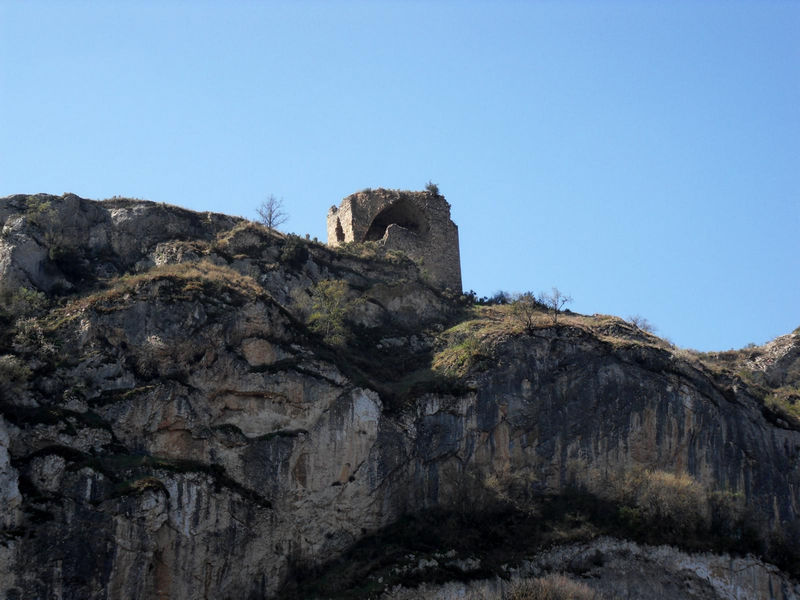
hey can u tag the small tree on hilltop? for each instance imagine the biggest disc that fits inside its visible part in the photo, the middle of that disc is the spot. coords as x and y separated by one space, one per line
523 308
432 188
641 323
271 213
555 302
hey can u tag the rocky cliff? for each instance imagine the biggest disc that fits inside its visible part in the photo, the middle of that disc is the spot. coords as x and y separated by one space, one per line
172 426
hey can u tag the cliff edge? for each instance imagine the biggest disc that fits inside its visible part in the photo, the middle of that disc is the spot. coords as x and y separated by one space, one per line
173 424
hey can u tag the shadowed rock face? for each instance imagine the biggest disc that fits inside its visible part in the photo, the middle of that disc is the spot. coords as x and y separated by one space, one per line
188 437
608 408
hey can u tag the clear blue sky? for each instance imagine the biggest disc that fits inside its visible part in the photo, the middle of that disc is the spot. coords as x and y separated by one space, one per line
644 157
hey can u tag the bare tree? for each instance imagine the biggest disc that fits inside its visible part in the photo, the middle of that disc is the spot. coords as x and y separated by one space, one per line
641 323
271 213
554 301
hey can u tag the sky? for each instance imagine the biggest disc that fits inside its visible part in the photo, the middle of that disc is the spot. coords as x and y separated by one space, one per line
643 157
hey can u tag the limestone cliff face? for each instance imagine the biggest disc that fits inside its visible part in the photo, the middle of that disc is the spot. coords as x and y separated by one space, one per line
564 396
182 434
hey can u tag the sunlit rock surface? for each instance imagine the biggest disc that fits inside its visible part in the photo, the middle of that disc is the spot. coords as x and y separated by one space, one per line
183 434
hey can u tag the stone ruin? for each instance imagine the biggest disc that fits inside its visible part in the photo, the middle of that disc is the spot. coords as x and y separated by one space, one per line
416 223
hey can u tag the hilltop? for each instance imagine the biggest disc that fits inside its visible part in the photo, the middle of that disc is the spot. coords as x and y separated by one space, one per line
193 405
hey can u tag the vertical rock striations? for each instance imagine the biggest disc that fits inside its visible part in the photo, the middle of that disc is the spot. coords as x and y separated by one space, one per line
180 433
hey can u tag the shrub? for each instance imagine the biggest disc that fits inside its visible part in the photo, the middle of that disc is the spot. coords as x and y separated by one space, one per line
44 215
329 309
23 302
785 401
731 521
662 502
465 349
432 188
13 373
524 308
783 549
31 337
550 587
368 249
40 212
458 359
500 298
294 252
515 489
174 282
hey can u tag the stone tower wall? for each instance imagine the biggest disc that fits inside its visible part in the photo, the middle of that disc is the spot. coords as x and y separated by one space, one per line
417 223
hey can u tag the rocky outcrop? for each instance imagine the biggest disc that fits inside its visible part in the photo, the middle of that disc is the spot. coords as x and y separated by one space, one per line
623 569
187 436
778 360
627 570
54 243
574 405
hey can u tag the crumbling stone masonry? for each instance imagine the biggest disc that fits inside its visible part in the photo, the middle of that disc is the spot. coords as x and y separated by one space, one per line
417 223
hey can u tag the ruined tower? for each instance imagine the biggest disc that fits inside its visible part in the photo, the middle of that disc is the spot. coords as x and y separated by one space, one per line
417 223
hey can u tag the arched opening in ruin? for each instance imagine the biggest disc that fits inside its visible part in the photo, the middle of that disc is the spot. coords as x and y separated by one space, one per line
401 213
339 231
